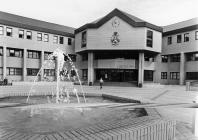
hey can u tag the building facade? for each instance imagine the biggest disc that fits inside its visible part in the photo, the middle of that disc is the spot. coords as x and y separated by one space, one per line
117 47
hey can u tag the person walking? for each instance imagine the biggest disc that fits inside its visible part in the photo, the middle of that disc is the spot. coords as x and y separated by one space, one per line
101 82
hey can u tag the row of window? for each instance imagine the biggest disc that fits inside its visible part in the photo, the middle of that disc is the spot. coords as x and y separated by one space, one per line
173 75
173 58
179 38
40 36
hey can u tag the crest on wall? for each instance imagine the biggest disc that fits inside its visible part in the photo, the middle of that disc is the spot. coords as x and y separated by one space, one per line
115 39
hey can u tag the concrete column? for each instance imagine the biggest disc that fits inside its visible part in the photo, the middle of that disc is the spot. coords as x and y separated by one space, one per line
141 69
42 62
90 68
182 69
4 62
24 64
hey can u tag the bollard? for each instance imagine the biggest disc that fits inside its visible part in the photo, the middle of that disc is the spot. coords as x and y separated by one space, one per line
187 86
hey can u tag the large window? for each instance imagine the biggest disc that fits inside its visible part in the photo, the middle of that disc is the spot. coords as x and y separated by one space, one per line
175 58
186 37
39 36
46 38
174 75
1 51
169 40
84 74
192 56
21 33
29 35
149 39
163 75
14 52
148 75
9 31
84 39
69 41
164 58
196 35
32 72
61 40
192 75
1 30
46 55
179 38
33 54
49 72
14 71
55 40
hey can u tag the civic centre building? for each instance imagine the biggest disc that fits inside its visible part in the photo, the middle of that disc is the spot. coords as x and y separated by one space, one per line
118 47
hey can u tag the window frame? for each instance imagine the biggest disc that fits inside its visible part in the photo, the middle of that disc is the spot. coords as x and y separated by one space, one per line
32 72
61 40
33 54
186 37
55 39
69 42
169 40
1 51
39 36
14 71
15 52
21 30
11 32
149 38
1 30
84 39
29 36
164 58
49 72
46 37
196 35
179 41
174 75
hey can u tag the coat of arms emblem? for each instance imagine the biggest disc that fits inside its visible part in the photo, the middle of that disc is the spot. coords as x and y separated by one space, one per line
115 39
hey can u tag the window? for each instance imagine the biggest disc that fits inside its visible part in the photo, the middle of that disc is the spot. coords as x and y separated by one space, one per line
149 40
1 71
69 41
49 72
1 30
46 37
174 75
21 33
179 38
196 35
148 75
84 39
186 37
175 58
9 31
39 36
85 57
84 74
46 55
148 58
14 52
163 75
192 56
33 54
32 72
1 51
191 75
55 40
61 40
169 40
164 58
14 71
29 35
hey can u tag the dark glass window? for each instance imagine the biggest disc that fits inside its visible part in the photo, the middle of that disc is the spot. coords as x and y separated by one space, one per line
14 52
39 36
69 41
1 30
9 31
163 75
192 75
186 37
148 75
84 39
175 58
85 57
196 35
49 72
164 58
84 74
21 33
169 40
179 38
61 40
174 75
192 56
33 54
14 71
32 72
29 35
149 40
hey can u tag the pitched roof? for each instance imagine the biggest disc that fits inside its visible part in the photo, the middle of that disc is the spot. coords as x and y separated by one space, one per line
33 24
130 19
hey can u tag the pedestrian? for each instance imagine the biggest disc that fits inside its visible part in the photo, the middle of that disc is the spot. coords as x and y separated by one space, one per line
101 83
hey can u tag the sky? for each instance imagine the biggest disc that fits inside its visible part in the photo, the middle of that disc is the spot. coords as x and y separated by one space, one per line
75 13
